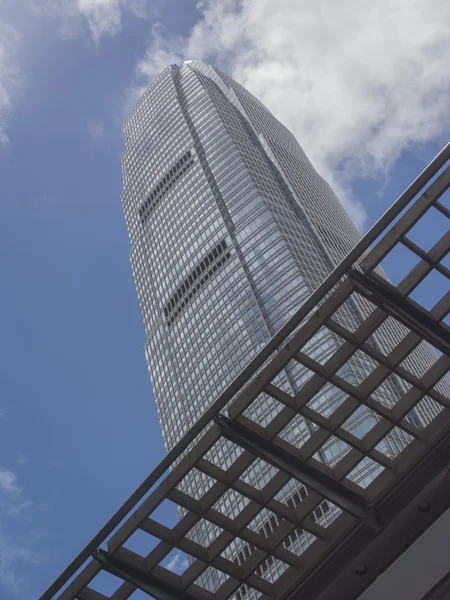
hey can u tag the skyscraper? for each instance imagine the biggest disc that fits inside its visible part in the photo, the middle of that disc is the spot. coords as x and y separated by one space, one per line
231 230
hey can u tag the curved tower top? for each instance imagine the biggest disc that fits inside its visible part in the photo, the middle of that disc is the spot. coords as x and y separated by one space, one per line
231 229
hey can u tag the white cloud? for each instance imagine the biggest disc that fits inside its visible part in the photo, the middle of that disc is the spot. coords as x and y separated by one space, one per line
177 564
10 78
16 509
96 131
356 82
22 459
12 501
8 482
17 535
163 51
14 556
102 17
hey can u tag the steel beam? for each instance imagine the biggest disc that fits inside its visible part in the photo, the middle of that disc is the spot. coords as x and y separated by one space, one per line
423 497
263 355
407 221
440 591
336 492
147 583
421 570
398 307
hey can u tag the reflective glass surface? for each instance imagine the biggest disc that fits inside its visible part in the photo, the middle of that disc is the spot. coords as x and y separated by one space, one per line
231 229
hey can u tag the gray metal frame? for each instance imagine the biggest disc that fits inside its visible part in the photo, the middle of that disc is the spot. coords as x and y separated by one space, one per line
422 572
375 524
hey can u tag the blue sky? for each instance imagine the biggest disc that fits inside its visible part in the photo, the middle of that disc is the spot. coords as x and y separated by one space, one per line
367 96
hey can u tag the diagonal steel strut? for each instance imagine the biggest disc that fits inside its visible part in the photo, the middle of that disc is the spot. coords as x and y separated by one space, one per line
394 304
284 461
144 581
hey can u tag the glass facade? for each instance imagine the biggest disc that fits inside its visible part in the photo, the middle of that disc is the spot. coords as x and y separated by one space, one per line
231 229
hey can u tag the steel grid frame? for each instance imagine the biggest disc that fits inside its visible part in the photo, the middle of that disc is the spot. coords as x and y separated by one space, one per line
372 525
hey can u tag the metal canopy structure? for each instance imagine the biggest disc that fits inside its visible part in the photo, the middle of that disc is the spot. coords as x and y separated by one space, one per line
372 526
